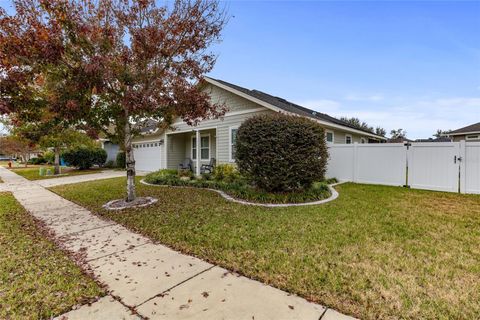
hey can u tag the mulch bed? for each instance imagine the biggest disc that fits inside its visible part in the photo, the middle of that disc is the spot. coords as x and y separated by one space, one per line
120 204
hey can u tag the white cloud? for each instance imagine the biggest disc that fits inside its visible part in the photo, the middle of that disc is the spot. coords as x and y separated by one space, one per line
420 117
371 98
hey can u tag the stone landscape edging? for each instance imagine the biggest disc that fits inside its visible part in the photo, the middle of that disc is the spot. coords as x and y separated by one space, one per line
334 195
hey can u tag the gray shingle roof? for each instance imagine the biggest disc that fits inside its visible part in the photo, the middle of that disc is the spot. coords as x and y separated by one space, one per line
289 106
471 128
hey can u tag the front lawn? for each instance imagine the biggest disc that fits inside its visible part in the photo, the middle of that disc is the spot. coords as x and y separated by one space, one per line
34 173
375 252
37 280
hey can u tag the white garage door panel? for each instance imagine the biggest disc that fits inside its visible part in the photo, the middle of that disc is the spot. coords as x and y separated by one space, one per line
147 156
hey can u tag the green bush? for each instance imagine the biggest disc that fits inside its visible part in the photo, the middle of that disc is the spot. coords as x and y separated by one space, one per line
49 157
109 164
99 156
121 161
83 157
226 172
281 153
241 189
37 160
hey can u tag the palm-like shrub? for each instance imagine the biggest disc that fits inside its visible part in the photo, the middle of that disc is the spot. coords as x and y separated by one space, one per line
281 153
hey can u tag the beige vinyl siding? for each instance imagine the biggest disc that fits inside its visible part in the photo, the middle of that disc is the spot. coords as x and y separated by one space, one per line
232 101
175 150
464 137
242 109
339 136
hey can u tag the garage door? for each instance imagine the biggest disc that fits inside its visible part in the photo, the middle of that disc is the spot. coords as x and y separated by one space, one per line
147 156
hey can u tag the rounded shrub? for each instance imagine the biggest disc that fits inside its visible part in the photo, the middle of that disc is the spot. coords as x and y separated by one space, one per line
121 160
83 157
281 153
99 156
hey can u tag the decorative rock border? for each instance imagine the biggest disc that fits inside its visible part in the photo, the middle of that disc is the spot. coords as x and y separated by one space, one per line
109 204
334 195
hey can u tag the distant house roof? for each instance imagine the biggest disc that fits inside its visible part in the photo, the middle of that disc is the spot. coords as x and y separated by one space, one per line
473 128
439 139
399 140
149 126
291 107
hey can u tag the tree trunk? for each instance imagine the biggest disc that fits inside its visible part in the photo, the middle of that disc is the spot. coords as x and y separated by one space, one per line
57 161
130 163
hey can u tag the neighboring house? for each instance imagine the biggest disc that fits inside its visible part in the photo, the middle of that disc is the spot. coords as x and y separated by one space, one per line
111 148
468 133
215 138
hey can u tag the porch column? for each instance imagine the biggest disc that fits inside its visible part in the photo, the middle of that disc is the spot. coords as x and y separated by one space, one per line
197 137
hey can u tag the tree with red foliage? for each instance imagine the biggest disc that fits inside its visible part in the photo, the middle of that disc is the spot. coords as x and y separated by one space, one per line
110 62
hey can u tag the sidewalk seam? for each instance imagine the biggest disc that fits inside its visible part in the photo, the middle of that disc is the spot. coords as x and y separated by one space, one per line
178 284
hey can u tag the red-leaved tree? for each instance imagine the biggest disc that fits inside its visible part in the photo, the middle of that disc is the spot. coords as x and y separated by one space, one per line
111 62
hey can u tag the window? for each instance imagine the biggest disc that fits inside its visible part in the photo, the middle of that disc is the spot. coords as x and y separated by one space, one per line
348 139
363 140
204 148
233 142
476 137
329 136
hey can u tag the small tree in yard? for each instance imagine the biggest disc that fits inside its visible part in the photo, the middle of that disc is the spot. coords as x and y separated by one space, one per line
121 61
17 145
61 140
280 152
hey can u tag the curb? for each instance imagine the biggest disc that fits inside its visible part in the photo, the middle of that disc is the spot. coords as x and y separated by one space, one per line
334 195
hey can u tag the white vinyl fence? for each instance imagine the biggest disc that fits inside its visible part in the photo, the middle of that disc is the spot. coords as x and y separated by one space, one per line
442 166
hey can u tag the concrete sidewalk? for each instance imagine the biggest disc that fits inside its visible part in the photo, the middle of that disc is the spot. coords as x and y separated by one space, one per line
107 174
151 279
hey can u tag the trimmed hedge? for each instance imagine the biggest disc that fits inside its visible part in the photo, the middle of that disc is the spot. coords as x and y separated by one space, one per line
121 161
37 160
84 157
281 153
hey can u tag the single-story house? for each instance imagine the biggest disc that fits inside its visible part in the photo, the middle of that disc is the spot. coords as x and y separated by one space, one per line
468 133
157 149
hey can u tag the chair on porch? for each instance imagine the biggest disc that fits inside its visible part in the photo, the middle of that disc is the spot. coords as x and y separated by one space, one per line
208 168
186 165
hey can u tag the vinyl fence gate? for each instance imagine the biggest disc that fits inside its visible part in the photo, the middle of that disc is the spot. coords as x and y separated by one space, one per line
441 166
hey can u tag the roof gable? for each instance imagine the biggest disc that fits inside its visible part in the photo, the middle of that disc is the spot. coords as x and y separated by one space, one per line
280 104
468 129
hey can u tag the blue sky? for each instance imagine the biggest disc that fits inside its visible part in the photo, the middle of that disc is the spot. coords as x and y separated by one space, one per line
410 65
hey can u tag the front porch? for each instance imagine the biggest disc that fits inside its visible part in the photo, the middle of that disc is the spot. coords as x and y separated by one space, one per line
183 145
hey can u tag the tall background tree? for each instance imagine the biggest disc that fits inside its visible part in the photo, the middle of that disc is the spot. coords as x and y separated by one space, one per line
110 62
440 133
398 133
362 125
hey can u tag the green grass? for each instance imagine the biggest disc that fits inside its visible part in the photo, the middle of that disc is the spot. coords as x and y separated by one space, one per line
34 173
37 280
375 252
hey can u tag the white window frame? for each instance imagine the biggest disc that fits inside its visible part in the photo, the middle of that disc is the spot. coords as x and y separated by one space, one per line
348 136
333 136
472 137
194 138
230 149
